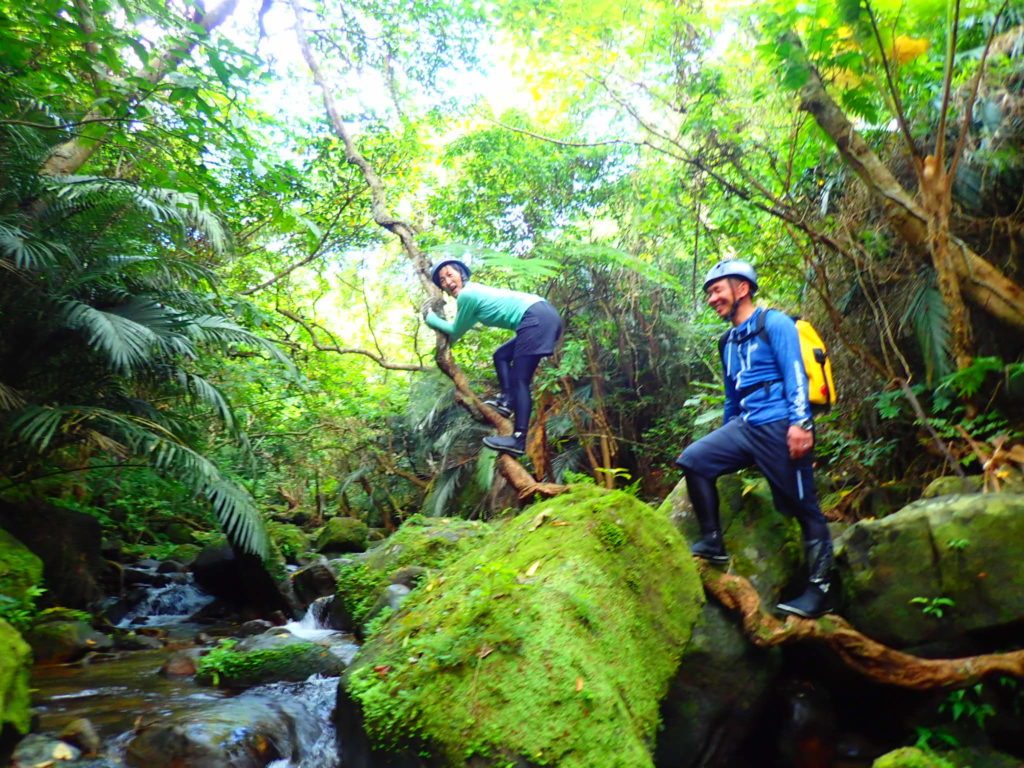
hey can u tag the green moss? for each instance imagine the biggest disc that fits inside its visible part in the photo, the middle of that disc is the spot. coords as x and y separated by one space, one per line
553 643
290 540
15 663
911 757
225 666
21 576
421 541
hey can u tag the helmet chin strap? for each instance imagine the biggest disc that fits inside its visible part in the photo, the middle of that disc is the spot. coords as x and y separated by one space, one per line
735 305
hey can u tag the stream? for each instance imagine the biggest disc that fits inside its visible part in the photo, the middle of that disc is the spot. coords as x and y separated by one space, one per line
119 692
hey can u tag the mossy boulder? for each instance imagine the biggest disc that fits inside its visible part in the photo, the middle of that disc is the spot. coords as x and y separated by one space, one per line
969 757
289 540
20 570
421 545
278 658
58 639
953 485
343 534
935 570
717 694
15 663
551 642
764 544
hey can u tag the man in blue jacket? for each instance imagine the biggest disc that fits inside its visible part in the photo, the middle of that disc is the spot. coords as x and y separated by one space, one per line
767 423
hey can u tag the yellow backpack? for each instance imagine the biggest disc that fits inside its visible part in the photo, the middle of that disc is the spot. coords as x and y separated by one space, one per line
821 388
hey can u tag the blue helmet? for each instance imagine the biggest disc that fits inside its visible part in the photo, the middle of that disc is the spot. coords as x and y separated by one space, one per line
732 268
435 270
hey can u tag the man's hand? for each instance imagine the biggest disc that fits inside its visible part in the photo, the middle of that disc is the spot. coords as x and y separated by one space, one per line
800 441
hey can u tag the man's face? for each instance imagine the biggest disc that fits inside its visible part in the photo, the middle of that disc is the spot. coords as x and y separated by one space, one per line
721 296
451 279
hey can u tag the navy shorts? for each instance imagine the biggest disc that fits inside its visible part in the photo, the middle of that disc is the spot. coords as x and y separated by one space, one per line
538 331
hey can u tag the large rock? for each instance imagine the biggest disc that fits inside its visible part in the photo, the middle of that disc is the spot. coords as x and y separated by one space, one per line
723 679
958 556
68 543
343 534
20 570
421 545
15 663
58 640
248 731
240 580
313 581
550 642
266 659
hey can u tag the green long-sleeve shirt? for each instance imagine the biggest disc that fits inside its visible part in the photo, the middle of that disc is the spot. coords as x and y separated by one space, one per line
497 307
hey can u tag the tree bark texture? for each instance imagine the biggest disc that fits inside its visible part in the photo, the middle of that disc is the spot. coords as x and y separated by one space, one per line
860 653
509 467
982 282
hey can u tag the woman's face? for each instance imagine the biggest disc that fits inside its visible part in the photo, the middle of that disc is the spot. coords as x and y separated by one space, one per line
451 279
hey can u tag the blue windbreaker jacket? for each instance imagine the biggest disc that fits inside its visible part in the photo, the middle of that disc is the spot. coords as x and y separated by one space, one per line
750 360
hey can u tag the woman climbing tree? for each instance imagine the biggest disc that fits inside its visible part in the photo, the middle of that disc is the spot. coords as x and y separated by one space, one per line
537 326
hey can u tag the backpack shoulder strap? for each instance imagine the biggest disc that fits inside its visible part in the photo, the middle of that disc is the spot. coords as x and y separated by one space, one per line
722 341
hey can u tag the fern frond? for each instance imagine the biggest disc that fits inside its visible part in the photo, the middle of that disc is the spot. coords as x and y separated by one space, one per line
926 313
124 342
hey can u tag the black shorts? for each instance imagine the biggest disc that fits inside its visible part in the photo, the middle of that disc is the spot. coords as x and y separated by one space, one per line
538 331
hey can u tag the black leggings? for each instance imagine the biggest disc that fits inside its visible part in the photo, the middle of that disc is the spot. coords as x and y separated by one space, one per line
514 377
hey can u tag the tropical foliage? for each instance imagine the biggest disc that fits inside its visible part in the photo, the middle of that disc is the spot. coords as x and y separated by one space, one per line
209 276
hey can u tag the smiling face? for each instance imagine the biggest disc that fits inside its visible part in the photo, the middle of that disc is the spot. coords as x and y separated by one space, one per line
450 278
723 295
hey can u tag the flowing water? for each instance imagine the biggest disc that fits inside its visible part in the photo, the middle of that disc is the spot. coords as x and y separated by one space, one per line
119 691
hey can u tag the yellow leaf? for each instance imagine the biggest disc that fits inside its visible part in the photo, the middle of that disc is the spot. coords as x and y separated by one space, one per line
906 49
538 521
579 684
532 569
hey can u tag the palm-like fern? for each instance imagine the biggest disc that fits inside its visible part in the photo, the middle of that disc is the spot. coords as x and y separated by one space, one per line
104 308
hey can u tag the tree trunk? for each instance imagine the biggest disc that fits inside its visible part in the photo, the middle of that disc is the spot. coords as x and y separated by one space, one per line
69 157
981 282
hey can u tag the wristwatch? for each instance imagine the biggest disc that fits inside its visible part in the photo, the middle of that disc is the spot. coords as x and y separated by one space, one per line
807 425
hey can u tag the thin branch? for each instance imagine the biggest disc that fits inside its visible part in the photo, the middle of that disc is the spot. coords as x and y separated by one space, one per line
314 254
969 106
901 118
947 83
562 143
377 358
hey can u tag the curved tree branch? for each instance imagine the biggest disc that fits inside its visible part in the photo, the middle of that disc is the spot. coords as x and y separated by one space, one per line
860 653
406 232
377 357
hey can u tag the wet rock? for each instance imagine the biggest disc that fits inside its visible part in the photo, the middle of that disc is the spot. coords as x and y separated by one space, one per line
15 665
131 577
67 542
240 581
62 640
181 663
953 485
343 534
289 540
38 751
81 733
254 627
409 576
136 641
914 757
958 556
244 732
313 581
267 658
170 566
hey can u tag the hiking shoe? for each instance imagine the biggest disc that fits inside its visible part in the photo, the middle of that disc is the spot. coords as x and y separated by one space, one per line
514 444
814 602
710 549
500 404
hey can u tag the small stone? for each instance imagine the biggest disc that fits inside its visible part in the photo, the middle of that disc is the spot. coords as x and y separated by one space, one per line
82 734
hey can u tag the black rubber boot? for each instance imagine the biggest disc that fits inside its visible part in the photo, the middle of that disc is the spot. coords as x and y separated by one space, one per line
815 600
704 497
500 404
710 547
514 444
